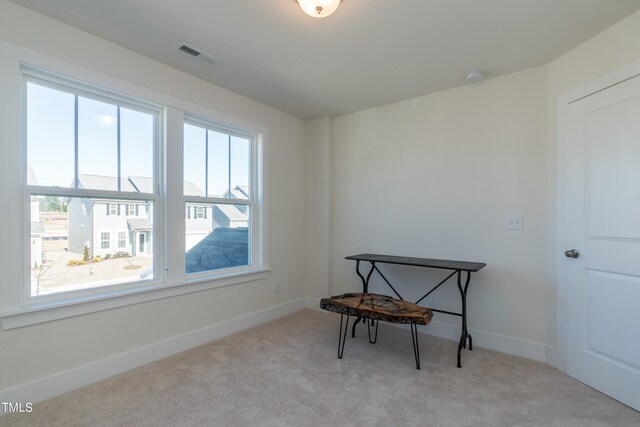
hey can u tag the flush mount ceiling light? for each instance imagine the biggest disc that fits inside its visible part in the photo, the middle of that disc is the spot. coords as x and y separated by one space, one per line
319 8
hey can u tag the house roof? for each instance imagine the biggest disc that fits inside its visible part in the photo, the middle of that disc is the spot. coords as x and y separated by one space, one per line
223 248
240 192
144 184
108 183
232 212
134 184
136 224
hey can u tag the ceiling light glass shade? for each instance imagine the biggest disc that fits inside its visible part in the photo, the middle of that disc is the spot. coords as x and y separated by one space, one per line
319 8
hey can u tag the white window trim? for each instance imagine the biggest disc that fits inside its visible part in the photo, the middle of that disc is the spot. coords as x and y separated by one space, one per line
112 198
14 312
47 312
257 256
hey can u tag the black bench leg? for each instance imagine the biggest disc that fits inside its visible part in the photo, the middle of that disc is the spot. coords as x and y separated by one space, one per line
371 323
414 340
353 329
342 336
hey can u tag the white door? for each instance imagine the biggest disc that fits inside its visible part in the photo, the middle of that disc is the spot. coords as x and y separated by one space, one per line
602 222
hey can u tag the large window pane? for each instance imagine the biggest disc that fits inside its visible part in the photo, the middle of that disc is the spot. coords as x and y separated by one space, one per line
195 160
218 164
50 136
136 146
97 145
240 164
218 238
82 243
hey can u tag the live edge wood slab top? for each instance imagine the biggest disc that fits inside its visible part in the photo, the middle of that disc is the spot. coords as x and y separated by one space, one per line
445 264
377 307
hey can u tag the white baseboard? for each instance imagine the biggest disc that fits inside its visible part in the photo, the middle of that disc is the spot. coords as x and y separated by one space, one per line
489 340
54 385
556 359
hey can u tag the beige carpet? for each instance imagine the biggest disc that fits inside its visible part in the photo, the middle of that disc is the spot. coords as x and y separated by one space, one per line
285 373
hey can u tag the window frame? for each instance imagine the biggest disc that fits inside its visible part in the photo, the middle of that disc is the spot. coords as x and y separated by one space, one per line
17 309
111 198
255 201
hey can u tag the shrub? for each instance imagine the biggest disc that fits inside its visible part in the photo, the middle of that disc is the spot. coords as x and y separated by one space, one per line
85 254
76 262
96 259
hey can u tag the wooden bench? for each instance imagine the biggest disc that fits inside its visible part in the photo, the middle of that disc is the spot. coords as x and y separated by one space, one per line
373 308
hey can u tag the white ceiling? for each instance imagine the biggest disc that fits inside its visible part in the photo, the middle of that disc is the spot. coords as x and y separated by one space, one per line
368 53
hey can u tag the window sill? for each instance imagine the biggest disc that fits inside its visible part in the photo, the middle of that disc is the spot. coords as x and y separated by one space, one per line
41 313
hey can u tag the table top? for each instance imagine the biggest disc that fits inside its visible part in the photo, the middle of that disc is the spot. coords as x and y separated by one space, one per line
445 264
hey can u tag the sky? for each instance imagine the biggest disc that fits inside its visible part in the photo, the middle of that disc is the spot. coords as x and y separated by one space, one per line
51 134
228 160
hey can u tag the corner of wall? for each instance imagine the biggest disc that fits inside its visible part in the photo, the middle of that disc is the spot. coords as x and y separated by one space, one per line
319 206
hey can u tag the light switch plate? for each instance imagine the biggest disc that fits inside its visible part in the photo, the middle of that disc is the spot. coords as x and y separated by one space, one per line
515 222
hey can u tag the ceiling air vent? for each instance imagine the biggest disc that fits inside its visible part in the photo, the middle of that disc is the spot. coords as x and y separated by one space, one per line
198 54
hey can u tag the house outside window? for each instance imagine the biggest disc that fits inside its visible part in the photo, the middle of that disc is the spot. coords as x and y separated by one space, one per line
113 208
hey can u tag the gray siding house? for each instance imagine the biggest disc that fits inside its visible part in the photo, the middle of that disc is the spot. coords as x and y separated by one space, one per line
113 227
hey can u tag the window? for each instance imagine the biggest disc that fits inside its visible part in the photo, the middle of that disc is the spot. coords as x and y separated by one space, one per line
122 239
105 240
218 172
98 201
200 212
85 149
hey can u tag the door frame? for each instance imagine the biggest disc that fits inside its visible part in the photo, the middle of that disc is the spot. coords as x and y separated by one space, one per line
558 357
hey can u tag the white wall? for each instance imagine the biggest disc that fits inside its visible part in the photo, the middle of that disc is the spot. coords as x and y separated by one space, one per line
435 176
34 352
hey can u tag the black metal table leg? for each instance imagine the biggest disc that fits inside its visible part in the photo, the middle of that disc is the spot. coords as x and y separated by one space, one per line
464 334
365 289
342 336
365 282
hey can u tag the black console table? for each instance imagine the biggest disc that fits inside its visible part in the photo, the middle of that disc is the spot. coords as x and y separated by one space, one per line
456 268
